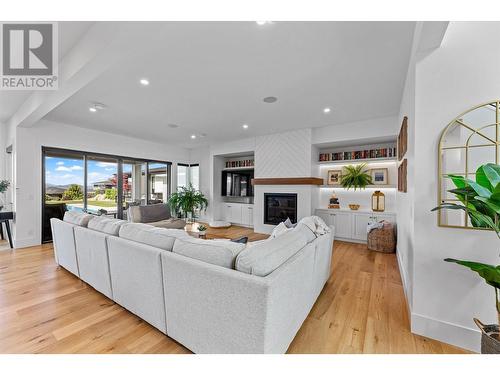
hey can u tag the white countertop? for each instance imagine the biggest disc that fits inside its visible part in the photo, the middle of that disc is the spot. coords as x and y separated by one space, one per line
362 211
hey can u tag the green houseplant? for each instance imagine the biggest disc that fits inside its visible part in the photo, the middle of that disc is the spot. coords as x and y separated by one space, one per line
355 176
186 200
480 199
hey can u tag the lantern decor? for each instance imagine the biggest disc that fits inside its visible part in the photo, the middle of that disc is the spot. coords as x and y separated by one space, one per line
378 201
334 202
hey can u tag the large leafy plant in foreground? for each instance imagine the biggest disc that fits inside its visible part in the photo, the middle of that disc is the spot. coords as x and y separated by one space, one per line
480 199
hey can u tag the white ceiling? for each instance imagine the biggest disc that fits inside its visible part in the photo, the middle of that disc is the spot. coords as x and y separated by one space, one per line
211 77
69 34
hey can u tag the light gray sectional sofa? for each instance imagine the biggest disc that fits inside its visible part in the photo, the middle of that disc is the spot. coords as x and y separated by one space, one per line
212 296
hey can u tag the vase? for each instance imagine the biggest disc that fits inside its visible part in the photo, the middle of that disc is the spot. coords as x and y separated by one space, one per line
189 218
490 337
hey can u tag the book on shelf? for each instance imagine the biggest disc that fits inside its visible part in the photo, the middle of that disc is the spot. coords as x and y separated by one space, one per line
239 163
386 152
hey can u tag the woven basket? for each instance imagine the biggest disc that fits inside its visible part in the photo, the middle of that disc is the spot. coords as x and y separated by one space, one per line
490 336
382 239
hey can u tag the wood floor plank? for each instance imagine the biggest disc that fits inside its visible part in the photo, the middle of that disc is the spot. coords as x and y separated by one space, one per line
46 309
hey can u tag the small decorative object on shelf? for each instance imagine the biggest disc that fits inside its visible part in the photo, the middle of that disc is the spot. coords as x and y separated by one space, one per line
334 177
354 207
386 152
378 201
380 176
240 163
334 202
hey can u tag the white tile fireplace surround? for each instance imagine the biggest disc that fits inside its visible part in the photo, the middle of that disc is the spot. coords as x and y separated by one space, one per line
304 202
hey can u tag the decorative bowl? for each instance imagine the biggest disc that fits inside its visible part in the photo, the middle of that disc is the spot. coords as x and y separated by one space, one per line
354 207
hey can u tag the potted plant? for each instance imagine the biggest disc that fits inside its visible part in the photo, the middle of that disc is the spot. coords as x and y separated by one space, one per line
202 230
187 200
4 185
480 199
356 177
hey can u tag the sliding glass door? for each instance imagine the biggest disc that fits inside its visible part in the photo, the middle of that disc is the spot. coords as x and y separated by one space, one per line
159 185
98 184
102 186
64 181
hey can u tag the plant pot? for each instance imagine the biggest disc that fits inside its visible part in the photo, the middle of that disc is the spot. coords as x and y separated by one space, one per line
490 337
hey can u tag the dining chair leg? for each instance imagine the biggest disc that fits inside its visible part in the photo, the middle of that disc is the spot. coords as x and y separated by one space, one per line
1 231
7 226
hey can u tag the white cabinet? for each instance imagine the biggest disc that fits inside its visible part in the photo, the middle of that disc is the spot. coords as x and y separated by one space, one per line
343 224
340 220
238 213
360 223
352 225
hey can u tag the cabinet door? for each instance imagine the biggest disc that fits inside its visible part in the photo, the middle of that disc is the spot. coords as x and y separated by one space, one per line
326 216
226 212
379 217
343 225
360 223
235 214
249 215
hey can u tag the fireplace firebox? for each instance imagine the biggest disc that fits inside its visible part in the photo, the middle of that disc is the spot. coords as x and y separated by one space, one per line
278 207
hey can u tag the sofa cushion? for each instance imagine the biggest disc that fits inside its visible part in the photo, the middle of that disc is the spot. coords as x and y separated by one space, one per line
78 218
105 225
264 257
149 213
157 237
306 231
219 252
169 223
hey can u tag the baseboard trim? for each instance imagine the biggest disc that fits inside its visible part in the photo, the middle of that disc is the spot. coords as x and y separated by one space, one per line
25 242
404 280
453 334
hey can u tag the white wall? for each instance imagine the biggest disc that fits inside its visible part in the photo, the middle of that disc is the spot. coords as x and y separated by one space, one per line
405 201
200 156
3 136
29 142
361 131
457 76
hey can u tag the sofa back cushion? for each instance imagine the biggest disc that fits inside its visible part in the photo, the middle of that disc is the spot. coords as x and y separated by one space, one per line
219 252
263 258
157 237
105 225
77 218
149 214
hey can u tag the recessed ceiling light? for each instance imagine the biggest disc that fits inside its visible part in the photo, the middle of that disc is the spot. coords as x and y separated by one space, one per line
262 23
193 136
144 82
173 126
326 110
270 99
94 107
245 126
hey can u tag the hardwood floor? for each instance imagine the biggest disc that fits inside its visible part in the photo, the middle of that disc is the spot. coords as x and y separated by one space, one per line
45 309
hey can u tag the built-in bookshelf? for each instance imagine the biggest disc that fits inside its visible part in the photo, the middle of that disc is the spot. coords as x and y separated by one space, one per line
239 163
358 154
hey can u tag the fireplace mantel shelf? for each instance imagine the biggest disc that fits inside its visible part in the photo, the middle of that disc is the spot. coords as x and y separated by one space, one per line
288 181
